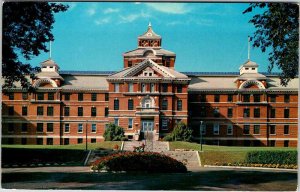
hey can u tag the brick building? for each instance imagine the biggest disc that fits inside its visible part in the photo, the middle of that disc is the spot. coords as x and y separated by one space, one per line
149 96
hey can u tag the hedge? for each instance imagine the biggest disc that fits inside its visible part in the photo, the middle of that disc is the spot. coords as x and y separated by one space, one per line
272 157
139 162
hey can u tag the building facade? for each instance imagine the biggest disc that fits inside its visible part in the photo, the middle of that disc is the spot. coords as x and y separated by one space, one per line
147 98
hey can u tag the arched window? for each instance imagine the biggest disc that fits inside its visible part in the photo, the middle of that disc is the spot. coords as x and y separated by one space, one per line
147 103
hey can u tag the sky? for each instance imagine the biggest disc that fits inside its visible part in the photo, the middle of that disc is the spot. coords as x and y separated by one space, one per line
206 37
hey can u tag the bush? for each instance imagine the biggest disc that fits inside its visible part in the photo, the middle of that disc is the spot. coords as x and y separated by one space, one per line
180 133
113 133
272 157
139 162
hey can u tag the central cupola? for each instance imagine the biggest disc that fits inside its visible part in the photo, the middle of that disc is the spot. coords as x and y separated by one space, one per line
149 38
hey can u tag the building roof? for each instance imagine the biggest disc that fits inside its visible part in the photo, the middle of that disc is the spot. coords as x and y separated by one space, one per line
49 62
249 63
149 34
48 74
85 82
140 52
252 76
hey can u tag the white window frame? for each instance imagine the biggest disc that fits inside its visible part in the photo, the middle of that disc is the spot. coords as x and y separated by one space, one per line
143 87
152 87
164 124
116 121
130 123
130 87
95 126
216 129
229 127
116 87
80 126
67 125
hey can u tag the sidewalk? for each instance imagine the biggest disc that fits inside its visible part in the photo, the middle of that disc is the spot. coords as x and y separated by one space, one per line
77 169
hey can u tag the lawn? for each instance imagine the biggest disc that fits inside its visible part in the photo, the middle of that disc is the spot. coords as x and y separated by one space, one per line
50 154
222 154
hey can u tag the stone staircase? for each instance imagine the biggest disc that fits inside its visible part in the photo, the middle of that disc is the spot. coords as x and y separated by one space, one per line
190 158
154 146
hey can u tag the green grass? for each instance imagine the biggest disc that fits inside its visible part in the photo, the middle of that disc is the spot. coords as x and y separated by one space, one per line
222 154
103 145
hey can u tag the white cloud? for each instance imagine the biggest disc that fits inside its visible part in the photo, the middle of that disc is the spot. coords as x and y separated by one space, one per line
110 10
102 21
171 8
132 17
91 11
193 21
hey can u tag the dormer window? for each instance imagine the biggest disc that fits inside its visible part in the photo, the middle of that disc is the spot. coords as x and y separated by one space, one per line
246 68
148 74
253 68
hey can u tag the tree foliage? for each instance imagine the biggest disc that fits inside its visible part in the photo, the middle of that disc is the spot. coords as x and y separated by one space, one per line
26 31
180 133
113 133
277 28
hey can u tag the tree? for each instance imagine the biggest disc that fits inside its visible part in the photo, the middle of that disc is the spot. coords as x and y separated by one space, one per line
277 28
26 31
180 133
113 133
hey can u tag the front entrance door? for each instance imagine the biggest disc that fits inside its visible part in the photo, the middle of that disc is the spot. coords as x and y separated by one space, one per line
147 129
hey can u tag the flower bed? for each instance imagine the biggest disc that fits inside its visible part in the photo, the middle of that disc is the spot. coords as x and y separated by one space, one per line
139 162
291 166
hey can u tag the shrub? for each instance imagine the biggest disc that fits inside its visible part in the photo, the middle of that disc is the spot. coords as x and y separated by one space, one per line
272 157
180 133
113 133
136 162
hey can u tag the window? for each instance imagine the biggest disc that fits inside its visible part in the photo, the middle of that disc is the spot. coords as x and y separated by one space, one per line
229 129
286 113
273 98
67 128
203 128
257 112
94 96
246 112
246 98
256 98
216 112
50 96
116 121
272 143
106 112
229 112
286 129
273 112
143 87
67 96
179 105
80 96
286 143
130 123
286 98
39 141
49 127
130 104
93 140
10 127
164 87
256 129
168 63
66 141
203 112
116 104
24 111
40 110
179 88
11 110
164 124
93 112
246 130
11 96
49 111
80 111
229 98
272 129
147 103
80 128
152 87
202 98
79 140
94 128
216 128
24 96
49 141
116 87
40 96
24 127
106 97
67 111
40 127
164 105
130 87
217 98
129 63
23 141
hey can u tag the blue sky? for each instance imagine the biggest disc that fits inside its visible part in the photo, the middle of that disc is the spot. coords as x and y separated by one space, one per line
209 37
